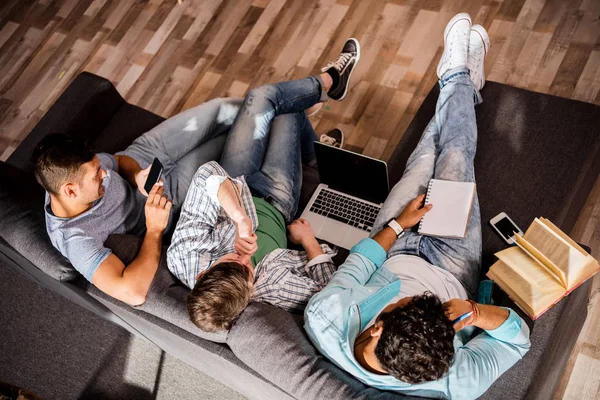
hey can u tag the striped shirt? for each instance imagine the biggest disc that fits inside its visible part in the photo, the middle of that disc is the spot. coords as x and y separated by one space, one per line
204 233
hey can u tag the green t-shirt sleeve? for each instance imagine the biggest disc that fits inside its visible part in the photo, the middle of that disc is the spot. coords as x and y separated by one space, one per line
271 231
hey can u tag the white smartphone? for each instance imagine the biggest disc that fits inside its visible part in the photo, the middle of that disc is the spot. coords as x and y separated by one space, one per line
505 227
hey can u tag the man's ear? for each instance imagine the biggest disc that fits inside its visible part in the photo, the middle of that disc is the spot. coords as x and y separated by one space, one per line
200 274
69 190
376 329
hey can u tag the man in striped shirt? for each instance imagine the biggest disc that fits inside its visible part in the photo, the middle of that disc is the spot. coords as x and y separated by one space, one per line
230 242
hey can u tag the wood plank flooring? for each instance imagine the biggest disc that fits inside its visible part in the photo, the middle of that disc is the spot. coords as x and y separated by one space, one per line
167 57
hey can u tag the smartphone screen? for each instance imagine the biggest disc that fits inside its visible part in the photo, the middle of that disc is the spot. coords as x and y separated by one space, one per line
506 228
154 175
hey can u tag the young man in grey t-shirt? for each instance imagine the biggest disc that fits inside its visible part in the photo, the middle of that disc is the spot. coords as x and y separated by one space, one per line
90 196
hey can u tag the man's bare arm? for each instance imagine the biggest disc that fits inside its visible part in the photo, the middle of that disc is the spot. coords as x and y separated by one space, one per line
128 168
130 284
229 198
487 317
300 232
131 171
230 201
410 216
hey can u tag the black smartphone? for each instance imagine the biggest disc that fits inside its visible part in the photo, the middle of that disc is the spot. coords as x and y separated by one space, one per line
154 175
505 227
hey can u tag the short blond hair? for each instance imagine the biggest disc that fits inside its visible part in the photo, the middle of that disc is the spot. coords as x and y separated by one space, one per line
219 296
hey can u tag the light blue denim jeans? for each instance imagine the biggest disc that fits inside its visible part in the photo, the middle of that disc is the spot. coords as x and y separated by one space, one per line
271 138
445 151
184 142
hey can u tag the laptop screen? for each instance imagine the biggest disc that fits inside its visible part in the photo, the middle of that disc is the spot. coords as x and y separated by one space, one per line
352 173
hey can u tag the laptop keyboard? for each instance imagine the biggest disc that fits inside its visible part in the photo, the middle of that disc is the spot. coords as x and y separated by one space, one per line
345 209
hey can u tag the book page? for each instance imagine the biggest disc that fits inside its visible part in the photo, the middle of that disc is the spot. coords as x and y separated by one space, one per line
591 267
534 291
548 224
559 251
535 253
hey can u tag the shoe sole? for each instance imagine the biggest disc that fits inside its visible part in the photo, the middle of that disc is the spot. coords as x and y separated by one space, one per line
485 39
451 23
357 43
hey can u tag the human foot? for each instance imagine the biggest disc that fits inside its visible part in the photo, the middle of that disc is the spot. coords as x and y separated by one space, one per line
334 137
341 69
479 45
456 44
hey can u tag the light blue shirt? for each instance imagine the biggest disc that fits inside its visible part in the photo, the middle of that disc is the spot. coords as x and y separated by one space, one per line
361 288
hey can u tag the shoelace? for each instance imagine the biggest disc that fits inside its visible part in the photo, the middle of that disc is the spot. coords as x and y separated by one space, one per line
340 63
477 56
327 140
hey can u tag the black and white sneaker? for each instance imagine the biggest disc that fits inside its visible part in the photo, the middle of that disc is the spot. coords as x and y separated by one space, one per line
334 137
341 69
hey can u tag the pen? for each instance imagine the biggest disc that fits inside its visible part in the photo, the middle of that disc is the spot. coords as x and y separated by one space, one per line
464 316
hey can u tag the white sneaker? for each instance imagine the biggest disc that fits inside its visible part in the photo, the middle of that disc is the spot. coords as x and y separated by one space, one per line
479 45
456 43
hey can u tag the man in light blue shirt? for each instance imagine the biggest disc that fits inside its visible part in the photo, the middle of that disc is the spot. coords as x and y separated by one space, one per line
390 314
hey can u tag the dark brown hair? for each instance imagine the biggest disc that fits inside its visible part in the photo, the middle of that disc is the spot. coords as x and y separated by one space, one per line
220 296
416 344
57 159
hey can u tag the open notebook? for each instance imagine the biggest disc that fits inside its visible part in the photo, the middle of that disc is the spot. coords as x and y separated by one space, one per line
545 266
452 203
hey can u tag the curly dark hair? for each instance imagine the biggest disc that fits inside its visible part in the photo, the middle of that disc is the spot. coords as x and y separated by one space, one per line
56 159
416 344
219 296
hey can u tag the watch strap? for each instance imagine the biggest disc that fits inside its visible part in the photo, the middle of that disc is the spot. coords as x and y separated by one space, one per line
396 227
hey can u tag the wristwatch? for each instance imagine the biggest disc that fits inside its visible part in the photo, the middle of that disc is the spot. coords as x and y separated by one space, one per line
399 230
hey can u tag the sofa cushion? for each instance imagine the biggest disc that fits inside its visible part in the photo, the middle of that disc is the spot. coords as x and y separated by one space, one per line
23 226
272 342
83 110
124 127
166 297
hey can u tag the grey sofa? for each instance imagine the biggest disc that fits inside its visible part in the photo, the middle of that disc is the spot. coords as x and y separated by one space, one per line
538 156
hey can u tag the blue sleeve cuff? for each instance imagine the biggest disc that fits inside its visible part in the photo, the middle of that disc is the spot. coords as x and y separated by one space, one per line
509 328
370 249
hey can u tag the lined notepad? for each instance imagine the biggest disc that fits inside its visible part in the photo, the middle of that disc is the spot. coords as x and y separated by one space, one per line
452 203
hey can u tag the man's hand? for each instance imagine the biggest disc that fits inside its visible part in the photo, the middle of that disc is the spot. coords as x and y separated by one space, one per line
457 307
245 240
300 232
158 209
141 177
413 212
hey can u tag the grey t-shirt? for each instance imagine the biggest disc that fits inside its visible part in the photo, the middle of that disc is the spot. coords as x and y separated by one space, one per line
81 239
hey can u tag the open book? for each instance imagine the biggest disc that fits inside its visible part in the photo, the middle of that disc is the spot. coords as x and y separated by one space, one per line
545 266
452 203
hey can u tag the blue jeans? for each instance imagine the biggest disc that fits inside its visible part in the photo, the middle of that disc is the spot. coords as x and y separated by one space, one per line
184 142
271 138
446 151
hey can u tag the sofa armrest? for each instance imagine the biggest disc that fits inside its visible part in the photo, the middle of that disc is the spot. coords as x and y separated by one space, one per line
553 337
82 110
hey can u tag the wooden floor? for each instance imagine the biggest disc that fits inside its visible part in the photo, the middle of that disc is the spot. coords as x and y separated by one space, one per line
167 57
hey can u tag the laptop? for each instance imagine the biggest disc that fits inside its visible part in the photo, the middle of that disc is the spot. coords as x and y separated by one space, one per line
353 188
